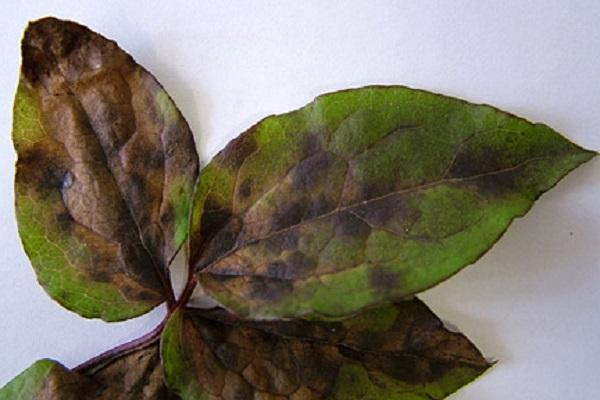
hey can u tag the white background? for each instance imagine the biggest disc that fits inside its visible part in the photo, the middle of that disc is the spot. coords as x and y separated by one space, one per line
532 302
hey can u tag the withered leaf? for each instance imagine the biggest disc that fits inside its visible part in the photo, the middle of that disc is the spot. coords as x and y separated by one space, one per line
138 375
363 196
399 351
105 171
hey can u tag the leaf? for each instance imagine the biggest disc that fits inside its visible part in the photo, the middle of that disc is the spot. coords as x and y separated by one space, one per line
363 196
138 375
398 351
105 171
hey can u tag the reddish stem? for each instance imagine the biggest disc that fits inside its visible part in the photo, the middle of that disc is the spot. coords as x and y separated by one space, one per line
187 291
96 363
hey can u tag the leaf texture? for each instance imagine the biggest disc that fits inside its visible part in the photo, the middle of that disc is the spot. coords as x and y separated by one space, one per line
398 351
105 171
138 375
363 196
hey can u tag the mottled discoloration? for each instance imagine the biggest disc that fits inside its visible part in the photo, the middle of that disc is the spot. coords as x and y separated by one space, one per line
381 279
111 161
269 289
346 224
245 189
285 241
310 171
138 375
289 214
303 360
317 206
238 150
386 190
380 213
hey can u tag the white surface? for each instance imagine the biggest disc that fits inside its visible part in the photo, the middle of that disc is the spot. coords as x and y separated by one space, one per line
531 303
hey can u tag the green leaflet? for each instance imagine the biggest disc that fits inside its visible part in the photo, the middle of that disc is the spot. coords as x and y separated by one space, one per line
105 172
364 196
398 351
28 383
132 377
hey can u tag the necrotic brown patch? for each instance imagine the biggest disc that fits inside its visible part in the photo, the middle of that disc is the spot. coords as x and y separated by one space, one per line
347 224
311 171
42 168
318 206
311 144
231 356
278 270
300 265
64 221
237 150
245 188
265 289
380 212
285 241
382 279
290 214
497 185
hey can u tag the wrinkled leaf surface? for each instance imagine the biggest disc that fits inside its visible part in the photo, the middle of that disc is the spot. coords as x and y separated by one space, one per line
363 196
399 351
106 166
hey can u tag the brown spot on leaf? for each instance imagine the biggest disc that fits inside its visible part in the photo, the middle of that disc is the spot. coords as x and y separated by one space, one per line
278 270
224 240
347 224
300 265
236 151
285 241
370 191
168 215
213 220
311 171
146 156
496 185
296 266
38 166
380 212
318 206
288 215
236 388
245 189
64 221
486 159
104 276
384 280
230 355
137 189
269 289
311 144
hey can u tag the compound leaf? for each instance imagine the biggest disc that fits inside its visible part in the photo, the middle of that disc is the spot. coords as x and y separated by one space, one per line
399 351
138 375
364 196
105 171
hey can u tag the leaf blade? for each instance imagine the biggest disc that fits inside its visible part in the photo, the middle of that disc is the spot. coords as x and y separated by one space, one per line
364 196
106 165
390 352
